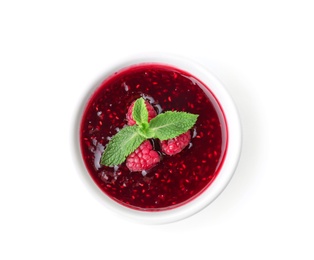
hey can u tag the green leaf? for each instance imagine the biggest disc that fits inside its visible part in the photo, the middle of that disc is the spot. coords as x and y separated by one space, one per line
171 124
140 113
121 145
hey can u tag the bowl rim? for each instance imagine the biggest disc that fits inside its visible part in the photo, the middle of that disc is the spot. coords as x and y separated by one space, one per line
232 153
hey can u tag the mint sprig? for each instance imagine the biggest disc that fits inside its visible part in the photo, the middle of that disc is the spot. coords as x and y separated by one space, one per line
163 127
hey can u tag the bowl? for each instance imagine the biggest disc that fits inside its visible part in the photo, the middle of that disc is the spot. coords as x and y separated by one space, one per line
172 190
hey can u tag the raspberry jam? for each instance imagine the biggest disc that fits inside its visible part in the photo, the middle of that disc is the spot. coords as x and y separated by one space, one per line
176 179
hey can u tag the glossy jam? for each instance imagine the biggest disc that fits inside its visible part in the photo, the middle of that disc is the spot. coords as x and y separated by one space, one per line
176 179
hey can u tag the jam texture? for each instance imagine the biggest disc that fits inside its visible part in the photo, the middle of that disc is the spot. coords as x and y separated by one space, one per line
176 179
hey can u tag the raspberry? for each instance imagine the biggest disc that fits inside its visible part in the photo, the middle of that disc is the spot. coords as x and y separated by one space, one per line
151 113
177 144
143 158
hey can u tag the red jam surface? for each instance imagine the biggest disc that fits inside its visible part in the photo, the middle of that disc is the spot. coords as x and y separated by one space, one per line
176 179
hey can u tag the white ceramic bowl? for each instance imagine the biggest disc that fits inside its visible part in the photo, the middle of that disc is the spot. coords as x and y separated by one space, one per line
231 157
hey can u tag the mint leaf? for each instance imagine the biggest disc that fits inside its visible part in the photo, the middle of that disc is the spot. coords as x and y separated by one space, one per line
171 124
140 113
121 145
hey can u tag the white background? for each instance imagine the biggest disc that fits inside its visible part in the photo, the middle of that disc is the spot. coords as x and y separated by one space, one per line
53 52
